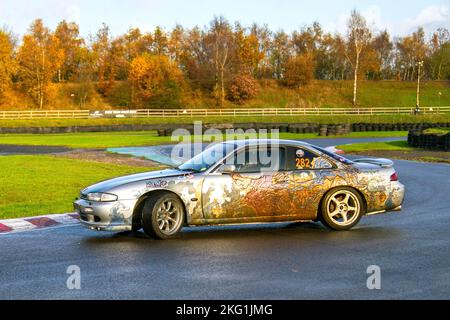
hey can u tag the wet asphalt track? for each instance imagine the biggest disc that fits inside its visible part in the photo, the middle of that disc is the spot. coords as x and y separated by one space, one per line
276 261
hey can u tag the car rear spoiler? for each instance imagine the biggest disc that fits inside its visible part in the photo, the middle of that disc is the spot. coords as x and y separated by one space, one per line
384 163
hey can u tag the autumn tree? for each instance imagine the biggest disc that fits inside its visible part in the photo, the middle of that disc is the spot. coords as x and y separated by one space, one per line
156 80
70 42
84 77
160 42
105 71
7 63
279 54
411 50
331 61
39 59
136 43
358 37
440 54
176 44
220 46
264 39
299 71
383 47
246 55
308 39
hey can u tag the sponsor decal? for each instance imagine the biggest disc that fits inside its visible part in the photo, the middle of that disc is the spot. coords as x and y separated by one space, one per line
300 153
157 184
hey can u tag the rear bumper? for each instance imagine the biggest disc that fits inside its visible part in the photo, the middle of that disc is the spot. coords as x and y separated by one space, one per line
105 216
397 209
394 201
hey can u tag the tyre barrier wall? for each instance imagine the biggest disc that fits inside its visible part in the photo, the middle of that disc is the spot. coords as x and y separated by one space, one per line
419 139
168 129
74 129
321 129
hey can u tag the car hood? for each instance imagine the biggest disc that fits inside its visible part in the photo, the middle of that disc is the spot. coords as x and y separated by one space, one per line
107 185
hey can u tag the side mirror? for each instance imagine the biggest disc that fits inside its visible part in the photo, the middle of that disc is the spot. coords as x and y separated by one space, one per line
227 168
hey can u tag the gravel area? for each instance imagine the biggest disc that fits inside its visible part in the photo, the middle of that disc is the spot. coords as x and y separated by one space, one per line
103 156
6 149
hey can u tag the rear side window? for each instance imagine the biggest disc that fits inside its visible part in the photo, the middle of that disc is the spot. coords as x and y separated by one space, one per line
255 160
300 158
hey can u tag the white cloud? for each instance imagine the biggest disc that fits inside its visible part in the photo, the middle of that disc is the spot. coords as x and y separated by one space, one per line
430 18
372 14
73 13
433 14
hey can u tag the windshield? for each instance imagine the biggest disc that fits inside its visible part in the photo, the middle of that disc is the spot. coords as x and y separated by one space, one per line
208 158
335 156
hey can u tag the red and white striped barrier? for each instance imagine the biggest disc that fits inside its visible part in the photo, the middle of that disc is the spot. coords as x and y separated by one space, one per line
335 150
26 224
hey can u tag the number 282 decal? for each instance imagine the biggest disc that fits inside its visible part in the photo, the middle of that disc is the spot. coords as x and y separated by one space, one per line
302 163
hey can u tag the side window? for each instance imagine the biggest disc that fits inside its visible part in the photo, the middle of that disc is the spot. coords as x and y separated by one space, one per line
304 159
254 160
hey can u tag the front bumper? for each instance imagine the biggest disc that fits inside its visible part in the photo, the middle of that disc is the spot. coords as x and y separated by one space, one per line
105 216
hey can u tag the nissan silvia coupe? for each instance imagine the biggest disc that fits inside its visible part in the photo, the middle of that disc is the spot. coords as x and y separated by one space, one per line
240 182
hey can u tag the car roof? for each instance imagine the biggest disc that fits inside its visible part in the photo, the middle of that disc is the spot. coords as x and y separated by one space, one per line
253 142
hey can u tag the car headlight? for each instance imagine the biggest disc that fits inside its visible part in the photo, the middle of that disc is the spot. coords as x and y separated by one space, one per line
101 197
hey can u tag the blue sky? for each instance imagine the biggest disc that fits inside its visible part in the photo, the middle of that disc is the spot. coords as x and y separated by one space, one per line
398 16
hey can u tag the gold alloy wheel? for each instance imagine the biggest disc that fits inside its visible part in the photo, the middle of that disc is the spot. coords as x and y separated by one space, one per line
343 208
169 217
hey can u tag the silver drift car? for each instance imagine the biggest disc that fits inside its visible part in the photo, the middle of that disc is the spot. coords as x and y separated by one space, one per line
248 181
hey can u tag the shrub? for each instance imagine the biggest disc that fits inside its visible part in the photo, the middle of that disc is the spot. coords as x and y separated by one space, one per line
299 71
242 88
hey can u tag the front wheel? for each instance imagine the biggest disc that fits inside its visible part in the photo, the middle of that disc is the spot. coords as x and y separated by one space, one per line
342 209
162 216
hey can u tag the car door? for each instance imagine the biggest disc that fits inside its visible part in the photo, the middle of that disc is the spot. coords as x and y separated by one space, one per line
256 191
312 174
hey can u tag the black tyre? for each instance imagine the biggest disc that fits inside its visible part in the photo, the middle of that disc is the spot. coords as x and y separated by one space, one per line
341 209
163 216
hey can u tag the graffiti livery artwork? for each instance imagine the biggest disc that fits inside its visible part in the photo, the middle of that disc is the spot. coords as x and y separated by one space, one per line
310 184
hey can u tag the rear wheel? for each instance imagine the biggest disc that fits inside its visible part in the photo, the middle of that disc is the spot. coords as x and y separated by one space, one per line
162 216
342 209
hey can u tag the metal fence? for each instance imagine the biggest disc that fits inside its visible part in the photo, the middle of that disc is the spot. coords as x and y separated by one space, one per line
247 112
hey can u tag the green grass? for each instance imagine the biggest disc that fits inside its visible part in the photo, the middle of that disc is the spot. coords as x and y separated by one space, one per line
378 146
335 119
37 185
86 140
396 150
437 131
143 138
323 93
318 93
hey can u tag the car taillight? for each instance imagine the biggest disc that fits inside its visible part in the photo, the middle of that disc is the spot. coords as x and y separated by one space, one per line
394 177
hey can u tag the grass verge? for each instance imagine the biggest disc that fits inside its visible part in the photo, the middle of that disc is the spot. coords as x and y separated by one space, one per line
145 138
396 150
379 146
37 185
330 119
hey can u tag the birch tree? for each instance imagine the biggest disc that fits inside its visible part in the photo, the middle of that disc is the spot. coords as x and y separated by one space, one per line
358 37
220 39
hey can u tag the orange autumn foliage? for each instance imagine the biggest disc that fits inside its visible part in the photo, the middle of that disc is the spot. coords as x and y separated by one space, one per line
154 76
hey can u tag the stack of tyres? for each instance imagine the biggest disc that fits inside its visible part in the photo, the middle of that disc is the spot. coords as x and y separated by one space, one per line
323 131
